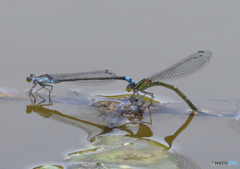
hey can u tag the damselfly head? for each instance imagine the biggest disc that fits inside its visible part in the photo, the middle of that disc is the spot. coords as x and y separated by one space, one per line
129 88
30 77
29 109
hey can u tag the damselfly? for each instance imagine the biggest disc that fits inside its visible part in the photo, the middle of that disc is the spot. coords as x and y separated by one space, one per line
183 68
91 78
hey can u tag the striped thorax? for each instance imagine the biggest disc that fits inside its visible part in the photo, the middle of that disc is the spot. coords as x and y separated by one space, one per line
143 84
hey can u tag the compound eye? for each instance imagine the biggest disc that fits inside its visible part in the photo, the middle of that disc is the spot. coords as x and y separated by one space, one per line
128 89
29 79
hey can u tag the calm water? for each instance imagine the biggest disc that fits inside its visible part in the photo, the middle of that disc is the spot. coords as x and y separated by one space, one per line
136 39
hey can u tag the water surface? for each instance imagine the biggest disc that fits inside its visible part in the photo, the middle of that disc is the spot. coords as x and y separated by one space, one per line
136 39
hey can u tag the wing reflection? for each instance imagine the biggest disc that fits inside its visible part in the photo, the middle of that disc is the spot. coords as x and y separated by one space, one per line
94 123
86 122
105 116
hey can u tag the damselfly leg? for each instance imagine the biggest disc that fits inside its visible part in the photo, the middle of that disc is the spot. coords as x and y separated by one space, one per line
149 93
44 86
132 98
30 91
40 103
136 100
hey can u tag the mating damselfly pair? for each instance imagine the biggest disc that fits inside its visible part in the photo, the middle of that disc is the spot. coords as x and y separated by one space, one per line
183 68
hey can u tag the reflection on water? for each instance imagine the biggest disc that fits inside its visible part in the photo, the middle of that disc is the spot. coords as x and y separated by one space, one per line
102 117
235 123
96 123
87 122
107 114
171 138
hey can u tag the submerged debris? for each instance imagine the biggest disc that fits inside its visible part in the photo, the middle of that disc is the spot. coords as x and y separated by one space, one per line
49 167
126 151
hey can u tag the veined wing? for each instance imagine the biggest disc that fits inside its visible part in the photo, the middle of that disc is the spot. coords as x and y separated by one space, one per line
185 67
86 78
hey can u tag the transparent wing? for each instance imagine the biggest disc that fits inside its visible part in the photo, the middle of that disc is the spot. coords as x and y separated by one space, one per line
185 67
91 78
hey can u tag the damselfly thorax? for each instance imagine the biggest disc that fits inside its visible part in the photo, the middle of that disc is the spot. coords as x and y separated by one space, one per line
143 84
